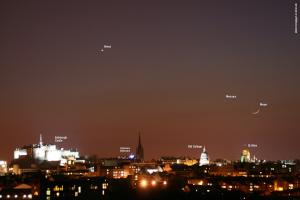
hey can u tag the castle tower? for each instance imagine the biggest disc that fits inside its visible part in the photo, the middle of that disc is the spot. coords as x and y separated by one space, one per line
140 151
41 140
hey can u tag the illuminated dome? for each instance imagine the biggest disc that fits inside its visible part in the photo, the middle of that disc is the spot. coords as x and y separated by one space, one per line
204 158
245 157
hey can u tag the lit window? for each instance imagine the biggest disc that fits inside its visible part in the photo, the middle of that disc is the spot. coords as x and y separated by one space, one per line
76 194
79 189
291 186
56 188
48 192
103 192
104 186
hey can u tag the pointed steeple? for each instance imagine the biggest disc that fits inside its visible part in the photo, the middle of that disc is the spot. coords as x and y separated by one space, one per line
204 150
140 150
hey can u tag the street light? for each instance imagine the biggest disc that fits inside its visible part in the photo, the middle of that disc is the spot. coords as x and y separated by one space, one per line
144 183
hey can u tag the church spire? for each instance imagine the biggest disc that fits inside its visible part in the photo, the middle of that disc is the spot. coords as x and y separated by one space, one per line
140 150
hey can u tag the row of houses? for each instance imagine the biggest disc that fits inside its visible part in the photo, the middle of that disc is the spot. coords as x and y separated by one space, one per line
262 185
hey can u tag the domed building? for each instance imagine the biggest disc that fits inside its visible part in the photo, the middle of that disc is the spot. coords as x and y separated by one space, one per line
245 157
204 158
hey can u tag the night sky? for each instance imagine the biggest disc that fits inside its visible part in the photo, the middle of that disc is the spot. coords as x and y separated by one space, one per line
167 73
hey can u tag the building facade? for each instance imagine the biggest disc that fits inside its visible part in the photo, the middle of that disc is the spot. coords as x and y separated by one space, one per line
47 152
204 158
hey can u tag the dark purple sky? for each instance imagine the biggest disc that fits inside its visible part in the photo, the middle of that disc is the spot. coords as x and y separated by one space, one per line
167 74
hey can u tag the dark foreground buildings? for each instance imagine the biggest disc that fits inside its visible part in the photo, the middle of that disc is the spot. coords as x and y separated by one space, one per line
180 181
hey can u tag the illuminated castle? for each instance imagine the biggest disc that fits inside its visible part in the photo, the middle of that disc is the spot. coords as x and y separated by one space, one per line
47 152
204 158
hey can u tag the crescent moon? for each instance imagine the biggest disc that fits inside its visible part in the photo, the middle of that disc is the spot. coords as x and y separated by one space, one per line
254 113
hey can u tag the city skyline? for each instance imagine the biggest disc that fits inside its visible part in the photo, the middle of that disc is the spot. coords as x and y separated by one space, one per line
132 151
214 74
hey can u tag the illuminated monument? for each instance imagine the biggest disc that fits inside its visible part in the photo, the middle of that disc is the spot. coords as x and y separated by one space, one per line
47 152
140 151
204 158
245 157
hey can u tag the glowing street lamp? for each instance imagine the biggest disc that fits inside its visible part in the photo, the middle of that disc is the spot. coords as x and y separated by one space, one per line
144 183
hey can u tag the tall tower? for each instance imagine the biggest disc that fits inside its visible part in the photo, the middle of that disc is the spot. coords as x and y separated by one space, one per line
41 140
140 150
